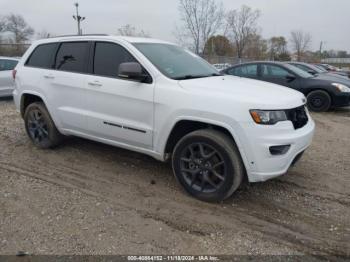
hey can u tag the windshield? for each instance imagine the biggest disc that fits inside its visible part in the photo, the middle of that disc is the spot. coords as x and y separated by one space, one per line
315 68
322 70
298 71
176 62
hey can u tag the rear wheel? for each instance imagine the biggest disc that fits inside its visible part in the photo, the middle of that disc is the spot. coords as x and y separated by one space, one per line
319 101
208 165
40 127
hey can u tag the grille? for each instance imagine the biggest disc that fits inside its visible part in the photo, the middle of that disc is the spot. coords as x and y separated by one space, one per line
298 116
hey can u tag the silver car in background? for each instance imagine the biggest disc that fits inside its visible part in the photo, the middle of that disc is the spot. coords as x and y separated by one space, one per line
7 64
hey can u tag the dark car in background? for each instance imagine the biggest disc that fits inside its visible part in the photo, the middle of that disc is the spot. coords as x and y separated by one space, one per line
334 70
321 91
314 70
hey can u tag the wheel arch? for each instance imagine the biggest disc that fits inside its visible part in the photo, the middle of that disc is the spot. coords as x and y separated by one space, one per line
184 126
28 98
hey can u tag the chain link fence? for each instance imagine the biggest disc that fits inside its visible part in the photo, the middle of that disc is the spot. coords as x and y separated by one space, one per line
13 50
214 59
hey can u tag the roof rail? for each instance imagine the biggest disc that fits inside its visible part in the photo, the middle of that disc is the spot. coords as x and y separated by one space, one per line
79 35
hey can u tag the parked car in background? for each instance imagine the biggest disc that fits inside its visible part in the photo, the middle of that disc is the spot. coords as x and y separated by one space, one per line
334 70
7 64
159 99
221 67
322 93
314 70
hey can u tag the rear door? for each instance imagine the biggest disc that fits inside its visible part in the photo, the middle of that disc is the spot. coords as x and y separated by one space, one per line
120 109
66 85
278 75
247 71
6 80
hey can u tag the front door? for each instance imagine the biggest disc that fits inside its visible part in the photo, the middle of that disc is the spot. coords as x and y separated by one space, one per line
278 75
120 110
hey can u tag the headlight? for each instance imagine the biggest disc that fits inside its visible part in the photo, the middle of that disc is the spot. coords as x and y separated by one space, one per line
263 117
341 88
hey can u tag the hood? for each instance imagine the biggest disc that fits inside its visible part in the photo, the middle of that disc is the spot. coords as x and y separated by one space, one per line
258 94
333 78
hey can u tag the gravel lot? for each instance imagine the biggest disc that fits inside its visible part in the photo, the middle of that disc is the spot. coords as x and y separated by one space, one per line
89 198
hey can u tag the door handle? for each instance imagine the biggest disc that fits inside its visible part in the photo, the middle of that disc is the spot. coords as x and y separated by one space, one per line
95 84
49 76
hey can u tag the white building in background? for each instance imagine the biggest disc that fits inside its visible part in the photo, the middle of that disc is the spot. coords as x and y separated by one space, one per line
336 61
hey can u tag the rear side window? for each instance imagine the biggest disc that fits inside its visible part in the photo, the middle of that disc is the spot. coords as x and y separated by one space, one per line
108 57
245 71
72 57
42 56
7 65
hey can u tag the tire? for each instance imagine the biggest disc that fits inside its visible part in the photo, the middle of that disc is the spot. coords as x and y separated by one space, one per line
205 175
319 101
40 127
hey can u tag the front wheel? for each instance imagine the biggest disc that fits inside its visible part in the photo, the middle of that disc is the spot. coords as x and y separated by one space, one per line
319 101
208 165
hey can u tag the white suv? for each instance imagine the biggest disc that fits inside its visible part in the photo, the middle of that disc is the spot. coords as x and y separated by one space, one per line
156 98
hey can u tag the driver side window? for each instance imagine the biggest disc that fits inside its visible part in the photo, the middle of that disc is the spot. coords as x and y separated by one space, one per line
108 57
273 71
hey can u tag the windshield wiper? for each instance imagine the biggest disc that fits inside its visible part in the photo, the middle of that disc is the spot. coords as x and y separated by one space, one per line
187 77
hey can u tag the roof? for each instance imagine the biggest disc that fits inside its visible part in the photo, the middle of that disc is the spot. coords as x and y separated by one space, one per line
103 37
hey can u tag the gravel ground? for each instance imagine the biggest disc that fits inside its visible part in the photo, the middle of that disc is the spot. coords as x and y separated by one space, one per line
89 198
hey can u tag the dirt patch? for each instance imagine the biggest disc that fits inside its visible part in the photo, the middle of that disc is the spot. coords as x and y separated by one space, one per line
89 198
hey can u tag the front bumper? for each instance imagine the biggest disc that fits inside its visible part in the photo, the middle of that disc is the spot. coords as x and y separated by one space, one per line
262 164
341 100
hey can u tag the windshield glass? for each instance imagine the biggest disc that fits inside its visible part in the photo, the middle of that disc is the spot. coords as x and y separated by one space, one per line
298 71
315 68
319 69
176 62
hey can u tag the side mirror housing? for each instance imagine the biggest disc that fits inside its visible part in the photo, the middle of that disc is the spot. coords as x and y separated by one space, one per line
132 71
312 72
290 78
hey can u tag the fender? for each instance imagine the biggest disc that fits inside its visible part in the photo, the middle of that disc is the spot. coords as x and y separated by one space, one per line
229 128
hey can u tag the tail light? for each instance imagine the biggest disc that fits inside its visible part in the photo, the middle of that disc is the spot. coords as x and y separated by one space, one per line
14 73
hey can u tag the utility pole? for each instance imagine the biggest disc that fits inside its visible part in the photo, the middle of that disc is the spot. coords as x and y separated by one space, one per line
78 18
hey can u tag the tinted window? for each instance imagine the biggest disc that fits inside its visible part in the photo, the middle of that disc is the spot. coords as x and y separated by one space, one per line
72 57
273 71
6 65
42 56
245 71
108 57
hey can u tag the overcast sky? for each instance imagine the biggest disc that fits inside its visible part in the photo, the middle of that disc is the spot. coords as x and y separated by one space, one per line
326 20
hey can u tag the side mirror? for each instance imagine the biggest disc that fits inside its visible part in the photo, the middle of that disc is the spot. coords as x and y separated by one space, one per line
290 78
312 72
131 71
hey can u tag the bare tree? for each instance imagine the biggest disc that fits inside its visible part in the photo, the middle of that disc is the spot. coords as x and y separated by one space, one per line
201 20
130 30
19 27
300 42
278 48
2 24
241 25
